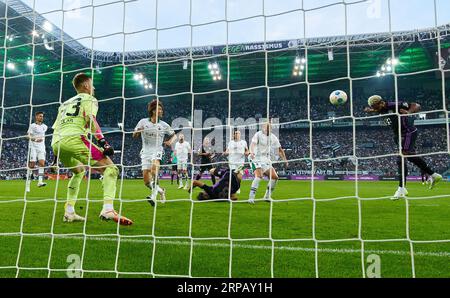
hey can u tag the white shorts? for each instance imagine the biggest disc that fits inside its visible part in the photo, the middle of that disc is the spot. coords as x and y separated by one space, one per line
148 159
37 154
235 165
182 165
263 164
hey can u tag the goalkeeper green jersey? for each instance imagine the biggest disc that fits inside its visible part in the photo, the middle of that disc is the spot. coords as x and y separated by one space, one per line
73 115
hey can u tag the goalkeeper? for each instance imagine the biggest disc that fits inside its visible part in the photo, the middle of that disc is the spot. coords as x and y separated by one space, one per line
226 187
71 144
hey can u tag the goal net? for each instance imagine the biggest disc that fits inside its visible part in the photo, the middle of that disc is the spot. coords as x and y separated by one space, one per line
218 67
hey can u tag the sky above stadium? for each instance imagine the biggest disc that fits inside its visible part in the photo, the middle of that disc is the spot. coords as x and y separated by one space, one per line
248 20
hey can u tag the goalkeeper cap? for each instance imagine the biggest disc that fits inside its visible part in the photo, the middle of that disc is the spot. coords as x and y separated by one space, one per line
374 99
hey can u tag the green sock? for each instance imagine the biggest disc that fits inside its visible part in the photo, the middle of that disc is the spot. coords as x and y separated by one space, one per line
74 187
109 184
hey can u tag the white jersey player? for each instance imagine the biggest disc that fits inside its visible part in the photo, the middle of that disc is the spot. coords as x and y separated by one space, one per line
263 142
153 131
182 151
237 150
36 135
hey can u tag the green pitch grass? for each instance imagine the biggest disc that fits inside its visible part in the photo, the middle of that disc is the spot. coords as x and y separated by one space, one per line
212 224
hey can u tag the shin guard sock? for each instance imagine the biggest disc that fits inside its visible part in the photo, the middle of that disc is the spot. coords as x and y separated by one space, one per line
73 188
41 174
254 187
270 188
109 184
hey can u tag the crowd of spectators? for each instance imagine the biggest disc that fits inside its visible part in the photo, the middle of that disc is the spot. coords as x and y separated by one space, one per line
288 105
375 149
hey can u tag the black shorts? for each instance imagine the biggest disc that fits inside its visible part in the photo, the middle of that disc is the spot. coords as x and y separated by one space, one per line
174 167
210 191
204 168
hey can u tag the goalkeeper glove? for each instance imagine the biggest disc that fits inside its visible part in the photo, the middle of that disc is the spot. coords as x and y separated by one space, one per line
53 169
108 150
54 166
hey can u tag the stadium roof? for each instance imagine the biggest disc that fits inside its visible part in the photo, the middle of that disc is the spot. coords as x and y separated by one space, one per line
327 58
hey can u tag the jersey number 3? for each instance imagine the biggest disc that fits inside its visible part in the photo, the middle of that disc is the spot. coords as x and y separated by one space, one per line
76 108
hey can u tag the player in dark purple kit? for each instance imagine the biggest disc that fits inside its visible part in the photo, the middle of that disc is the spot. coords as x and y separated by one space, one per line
226 187
425 177
408 139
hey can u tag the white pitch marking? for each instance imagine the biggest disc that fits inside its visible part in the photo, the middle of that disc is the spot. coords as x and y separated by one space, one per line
203 242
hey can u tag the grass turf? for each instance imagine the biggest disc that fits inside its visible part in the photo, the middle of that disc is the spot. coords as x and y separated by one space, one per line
228 239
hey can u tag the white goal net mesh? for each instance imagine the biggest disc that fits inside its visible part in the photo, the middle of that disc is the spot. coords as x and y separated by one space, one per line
218 67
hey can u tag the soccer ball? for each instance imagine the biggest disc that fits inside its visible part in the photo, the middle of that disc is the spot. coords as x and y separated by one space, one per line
338 97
